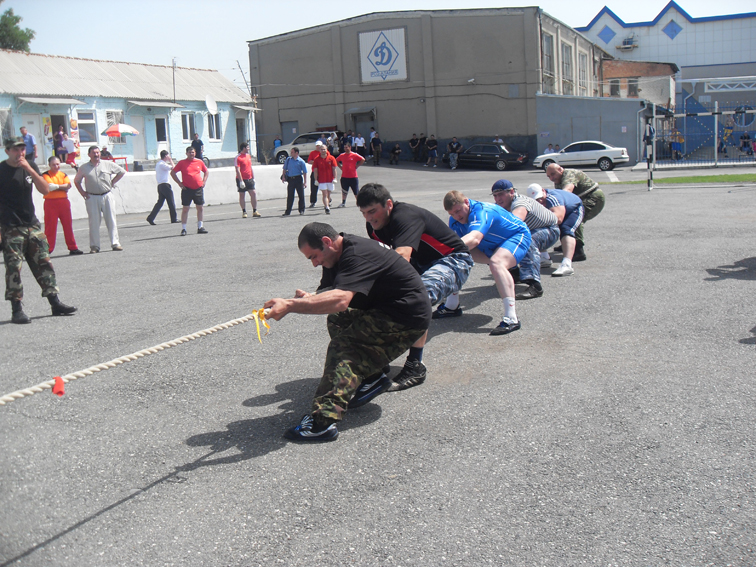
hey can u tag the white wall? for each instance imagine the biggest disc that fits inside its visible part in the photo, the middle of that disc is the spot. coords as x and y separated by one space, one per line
137 192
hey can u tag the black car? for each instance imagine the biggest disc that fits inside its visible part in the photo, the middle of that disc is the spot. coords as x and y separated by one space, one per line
499 156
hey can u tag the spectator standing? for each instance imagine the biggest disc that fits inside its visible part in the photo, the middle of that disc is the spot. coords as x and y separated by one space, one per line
70 149
549 149
165 191
324 171
20 233
245 180
394 154
100 178
30 142
359 145
193 181
432 145
277 142
295 176
58 142
497 139
414 145
348 163
199 147
454 148
376 147
423 147
57 206
371 135
313 180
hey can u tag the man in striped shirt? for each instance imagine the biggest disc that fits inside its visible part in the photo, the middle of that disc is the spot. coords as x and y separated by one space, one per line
593 198
544 233
494 237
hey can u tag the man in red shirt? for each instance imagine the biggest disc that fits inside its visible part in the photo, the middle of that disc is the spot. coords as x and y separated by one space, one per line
324 170
348 163
314 180
192 183
245 180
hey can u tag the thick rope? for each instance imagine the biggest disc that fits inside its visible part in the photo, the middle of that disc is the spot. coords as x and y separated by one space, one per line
256 315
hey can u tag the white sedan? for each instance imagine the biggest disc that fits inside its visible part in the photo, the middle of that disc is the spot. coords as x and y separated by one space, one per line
588 152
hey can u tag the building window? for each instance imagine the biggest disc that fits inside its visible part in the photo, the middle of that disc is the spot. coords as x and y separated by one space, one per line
614 85
583 74
548 64
567 76
114 117
187 126
87 127
632 87
6 128
214 126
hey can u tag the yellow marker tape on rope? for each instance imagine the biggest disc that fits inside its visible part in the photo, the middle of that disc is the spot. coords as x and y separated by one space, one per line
259 315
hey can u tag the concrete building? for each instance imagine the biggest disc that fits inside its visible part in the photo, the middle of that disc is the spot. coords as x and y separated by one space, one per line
166 105
465 73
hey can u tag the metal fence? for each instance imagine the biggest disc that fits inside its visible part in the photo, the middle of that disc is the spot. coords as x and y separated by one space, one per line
707 136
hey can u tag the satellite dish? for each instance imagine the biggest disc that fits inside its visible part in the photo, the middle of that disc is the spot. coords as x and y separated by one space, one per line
212 106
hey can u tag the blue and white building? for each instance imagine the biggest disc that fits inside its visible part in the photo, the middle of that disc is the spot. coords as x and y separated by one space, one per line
167 105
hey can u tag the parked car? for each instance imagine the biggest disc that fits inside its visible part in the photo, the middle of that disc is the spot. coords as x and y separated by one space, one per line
305 143
500 156
588 152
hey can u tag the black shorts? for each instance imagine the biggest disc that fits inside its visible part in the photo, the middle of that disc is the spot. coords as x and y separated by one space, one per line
245 185
348 183
189 196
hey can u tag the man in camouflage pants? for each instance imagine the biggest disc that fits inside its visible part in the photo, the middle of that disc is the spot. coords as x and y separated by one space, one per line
20 233
577 182
377 308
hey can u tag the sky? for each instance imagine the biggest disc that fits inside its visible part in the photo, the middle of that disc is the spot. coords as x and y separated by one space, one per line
213 35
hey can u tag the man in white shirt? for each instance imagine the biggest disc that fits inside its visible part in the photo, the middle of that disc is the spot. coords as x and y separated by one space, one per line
165 191
359 144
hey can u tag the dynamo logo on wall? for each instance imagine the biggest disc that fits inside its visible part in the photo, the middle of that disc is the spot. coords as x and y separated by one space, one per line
382 56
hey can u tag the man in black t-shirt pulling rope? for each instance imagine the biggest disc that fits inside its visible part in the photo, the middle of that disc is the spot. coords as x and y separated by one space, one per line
377 307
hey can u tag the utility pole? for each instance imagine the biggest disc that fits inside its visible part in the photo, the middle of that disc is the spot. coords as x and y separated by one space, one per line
245 79
174 80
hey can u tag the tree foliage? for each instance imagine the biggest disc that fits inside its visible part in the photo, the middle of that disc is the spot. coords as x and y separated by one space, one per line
11 35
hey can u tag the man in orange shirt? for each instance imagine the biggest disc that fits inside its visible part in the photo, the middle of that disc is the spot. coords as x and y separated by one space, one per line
57 206
245 180
348 163
324 170
192 185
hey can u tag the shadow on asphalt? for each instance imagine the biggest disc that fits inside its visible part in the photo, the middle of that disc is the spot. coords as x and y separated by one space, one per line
744 269
749 340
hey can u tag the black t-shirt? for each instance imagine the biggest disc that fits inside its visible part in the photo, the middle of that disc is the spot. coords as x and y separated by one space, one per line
380 279
375 142
454 146
413 143
428 236
197 145
16 205
432 143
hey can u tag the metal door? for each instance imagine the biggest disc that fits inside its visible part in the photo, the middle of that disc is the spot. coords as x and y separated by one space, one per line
289 131
137 142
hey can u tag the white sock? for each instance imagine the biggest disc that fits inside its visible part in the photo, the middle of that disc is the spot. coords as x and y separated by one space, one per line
452 302
567 262
545 255
199 224
183 225
509 309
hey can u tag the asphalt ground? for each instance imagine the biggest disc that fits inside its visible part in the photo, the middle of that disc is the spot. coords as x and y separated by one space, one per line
615 428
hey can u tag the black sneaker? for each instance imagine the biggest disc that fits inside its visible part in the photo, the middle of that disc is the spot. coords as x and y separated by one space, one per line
183 232
506 327
76 252
371 387
558 249
443 312
307 431
413 374
579 254
530 293
202 230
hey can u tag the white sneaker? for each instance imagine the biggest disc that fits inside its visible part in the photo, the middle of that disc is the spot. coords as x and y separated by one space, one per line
563 271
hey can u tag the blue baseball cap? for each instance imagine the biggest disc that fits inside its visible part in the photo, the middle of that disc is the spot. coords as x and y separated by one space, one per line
502 185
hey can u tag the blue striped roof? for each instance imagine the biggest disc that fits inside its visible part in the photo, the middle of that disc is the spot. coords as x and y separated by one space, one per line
672 4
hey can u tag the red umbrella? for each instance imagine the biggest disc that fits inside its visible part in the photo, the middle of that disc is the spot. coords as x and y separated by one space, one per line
117 130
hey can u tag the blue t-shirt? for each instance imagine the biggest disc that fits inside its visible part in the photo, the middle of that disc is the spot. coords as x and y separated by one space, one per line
295 167
495 223
561 198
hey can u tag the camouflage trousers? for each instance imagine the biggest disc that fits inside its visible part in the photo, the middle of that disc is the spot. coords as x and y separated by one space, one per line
362 343
28 242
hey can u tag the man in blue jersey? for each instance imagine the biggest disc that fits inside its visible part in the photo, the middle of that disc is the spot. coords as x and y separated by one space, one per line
569 211
495 237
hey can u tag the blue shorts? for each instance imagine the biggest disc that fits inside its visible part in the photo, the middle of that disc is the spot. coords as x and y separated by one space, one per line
446 275
571 223
348 183
518 245
432 153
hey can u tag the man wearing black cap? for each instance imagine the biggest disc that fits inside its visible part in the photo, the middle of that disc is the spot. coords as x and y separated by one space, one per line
21 235
544 233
